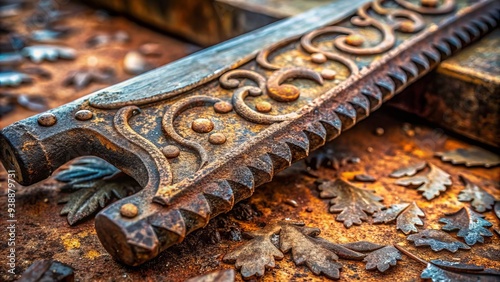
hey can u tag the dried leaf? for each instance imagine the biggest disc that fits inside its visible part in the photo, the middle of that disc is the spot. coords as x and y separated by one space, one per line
38 53
481 200
83 171
409 170
84 77
364 178
306 250
10 59
95 196
225 275
256 255
432 183
472 156
13 78
382 259
470 225
406 216
353 203
438 274
363 246
457 266
437 240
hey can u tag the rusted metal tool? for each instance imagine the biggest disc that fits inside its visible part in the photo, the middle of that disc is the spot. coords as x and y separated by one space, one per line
201 133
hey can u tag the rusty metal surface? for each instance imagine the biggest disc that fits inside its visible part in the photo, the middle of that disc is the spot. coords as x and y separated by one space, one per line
207 178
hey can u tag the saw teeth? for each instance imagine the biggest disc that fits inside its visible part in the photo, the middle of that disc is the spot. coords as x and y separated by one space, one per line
242 183
398 77
262 169
489 20
410 69
332 123
480 25
196 212
316 133
220 196
472 31
421 62
374 95
280 155
432 55
454 42
143 238
386 86
444 49
361 105
171 221
462 34
299 146
347 115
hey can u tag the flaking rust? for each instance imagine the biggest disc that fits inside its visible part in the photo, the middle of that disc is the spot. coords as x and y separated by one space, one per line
309 87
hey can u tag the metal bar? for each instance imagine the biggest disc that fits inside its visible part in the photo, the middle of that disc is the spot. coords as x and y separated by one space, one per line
203 144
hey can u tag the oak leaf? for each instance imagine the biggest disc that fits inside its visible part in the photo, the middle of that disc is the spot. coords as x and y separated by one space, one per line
431 183
445 271
437 240
472 156
382 259
481 200
406 216
470 225
352 202
408 170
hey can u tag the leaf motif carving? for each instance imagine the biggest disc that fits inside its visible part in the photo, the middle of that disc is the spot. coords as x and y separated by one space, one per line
305 250
438 240
85 170
470 225
481 200
352 202
431 183
253 257
472 156
406 216
382 259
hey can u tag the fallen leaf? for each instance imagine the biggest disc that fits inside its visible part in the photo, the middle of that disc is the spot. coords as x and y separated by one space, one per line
382 259
38 53
364 178
85 170
437 274
438 240
353 203
305 250
470 225
431 183
84 77
481 200
409 170
457 266
472 156
33 102
14 78
50 34
254 256
406 216
225 275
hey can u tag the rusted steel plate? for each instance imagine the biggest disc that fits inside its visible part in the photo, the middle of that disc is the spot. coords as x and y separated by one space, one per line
246 147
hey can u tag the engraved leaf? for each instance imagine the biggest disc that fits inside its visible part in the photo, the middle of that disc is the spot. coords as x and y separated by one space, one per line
431 183
406 216
85 170
470 225
353 203
409 170
224 275
481 200
437 240
472 156
256 255
463 273
305 250
382 259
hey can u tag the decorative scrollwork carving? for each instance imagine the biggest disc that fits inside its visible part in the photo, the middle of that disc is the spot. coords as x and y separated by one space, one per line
432 9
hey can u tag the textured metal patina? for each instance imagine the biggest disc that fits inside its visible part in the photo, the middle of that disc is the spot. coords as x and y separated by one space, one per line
375 53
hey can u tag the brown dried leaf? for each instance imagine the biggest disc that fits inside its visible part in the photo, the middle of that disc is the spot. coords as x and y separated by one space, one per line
306 250
481 200
472 156
353 203
409 170
224 275
470 225
256 255
382 259
84 77
406 216
431 183
437 240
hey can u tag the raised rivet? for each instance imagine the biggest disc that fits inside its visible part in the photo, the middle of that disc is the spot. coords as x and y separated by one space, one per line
263 107
318 58
354 40
223 107
202 125
171 151
129 210
84 115
47 119
429 3
217 138
328 74
406 26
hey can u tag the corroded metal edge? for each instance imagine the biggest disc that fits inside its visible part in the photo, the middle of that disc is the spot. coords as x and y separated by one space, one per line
218 186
